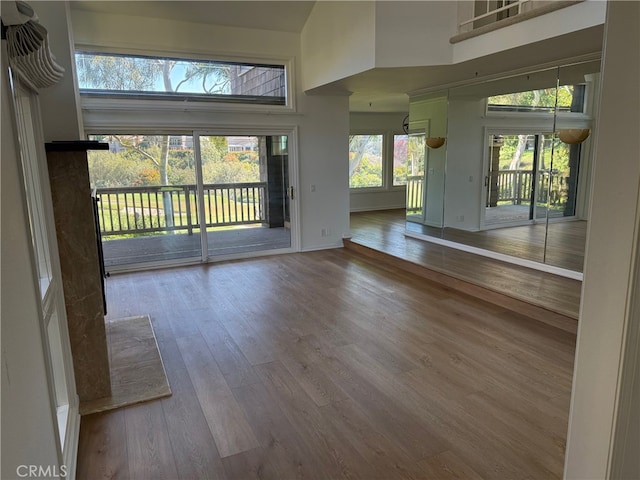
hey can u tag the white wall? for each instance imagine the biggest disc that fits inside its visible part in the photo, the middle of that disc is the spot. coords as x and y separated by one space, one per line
414 33
324 150
28 429
625 460
429 115
341 39
337 41
322 122
147 34
612 241
388 197
60 113
464 179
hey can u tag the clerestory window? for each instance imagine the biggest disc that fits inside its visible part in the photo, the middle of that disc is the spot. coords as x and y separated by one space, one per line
138 76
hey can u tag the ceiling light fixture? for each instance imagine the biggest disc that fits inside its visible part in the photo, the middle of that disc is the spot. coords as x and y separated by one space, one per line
435 142
573 136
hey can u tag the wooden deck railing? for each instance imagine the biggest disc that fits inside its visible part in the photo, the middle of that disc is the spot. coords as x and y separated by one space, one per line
414 194
513 186
135 210
493 12
484 16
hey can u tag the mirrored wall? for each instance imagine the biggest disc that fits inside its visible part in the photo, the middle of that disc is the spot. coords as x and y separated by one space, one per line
513 174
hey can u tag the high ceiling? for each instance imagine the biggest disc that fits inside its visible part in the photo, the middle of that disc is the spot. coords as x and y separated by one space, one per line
376 90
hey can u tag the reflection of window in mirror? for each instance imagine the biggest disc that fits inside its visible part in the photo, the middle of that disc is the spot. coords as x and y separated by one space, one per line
408 162
402 165
408 158
570 99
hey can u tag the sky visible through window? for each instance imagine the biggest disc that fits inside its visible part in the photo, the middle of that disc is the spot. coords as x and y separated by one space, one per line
109 73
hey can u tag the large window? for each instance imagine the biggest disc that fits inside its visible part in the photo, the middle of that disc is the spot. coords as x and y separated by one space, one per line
365 161
384 161
177 78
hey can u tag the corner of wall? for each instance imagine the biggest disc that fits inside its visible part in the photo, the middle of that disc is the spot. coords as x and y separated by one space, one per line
59 104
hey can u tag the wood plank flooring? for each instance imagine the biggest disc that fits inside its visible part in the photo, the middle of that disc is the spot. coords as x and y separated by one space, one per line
383 231
325 366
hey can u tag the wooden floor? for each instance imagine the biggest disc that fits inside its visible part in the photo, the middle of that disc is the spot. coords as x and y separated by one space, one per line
324 365
383 231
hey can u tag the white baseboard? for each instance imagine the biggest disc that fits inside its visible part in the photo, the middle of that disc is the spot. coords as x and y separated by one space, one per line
315 248
70 447
375 209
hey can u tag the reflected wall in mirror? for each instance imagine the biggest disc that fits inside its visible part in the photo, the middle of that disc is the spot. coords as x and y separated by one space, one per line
511 185
428 118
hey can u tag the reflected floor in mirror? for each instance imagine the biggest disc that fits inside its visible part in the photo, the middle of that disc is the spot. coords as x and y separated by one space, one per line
565 241
384 231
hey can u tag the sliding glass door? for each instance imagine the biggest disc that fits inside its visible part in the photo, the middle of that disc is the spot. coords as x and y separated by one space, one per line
146 198
186 198
245 193
518 179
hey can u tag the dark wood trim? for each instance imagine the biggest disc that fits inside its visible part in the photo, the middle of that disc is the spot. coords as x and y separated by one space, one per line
75 146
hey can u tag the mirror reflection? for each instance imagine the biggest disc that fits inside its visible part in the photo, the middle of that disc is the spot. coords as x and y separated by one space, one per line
512 177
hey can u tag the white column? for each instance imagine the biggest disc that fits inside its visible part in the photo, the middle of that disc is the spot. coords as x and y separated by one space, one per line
612 241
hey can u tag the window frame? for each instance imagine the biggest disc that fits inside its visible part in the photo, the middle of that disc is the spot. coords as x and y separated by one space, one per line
384 173
388 137
136 103
250 129
540 114
392 161
51 313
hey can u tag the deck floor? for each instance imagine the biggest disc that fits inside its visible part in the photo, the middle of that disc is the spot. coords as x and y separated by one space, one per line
384 231
157 248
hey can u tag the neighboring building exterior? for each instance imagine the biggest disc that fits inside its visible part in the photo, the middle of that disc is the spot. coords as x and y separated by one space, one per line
257 81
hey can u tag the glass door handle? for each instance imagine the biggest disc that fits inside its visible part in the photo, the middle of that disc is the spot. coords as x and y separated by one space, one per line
291 193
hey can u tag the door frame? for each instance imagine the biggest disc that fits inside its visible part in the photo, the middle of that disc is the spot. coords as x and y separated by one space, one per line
486 164
292 131
294 211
